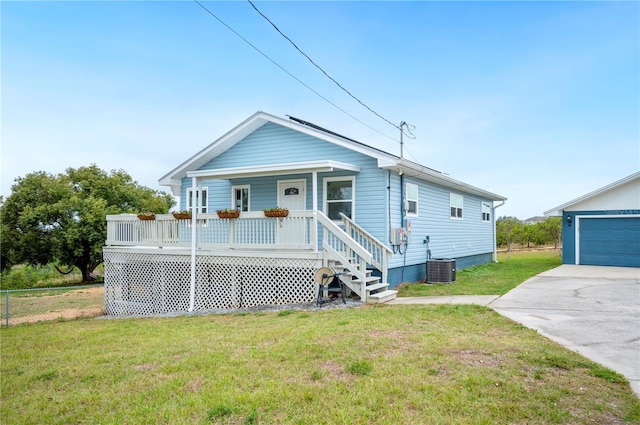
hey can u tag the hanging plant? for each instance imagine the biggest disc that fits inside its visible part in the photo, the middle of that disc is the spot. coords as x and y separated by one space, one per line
228 213
275 212
147 215
182 215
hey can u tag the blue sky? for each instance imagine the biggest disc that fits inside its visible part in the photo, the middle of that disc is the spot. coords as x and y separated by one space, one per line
535 101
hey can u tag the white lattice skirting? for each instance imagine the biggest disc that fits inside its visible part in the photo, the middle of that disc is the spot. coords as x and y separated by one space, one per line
149 283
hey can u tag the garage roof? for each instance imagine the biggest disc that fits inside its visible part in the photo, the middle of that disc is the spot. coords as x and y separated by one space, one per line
620 195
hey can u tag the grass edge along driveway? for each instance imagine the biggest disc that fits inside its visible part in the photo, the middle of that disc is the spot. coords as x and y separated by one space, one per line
489 279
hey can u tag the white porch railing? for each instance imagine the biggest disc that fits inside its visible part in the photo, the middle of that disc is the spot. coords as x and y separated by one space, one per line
252 230
379 252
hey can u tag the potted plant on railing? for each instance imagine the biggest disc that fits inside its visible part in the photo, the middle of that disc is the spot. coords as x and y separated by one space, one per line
276 212
228 213
147 215
182 215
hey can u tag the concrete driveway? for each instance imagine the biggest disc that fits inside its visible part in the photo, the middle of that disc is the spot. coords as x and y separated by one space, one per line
592 310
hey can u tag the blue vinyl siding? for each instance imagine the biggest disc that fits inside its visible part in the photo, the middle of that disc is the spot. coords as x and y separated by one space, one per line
448 238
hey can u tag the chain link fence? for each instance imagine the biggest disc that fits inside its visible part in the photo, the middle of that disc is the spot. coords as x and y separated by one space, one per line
44 304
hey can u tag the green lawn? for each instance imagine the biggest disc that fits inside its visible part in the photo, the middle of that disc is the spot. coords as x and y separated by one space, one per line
489 279
369 365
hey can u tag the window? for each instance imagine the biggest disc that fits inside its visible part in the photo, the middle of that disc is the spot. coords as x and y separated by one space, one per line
203 199
240 196
486 212
455 202
411 197
339 197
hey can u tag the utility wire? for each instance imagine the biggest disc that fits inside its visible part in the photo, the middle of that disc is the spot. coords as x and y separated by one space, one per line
289 73
320 68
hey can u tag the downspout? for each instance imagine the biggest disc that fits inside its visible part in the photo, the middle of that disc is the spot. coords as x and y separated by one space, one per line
495 242
389 205
402 225
401 197
194 212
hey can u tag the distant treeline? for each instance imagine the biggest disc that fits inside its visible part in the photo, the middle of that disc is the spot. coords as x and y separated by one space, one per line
511 231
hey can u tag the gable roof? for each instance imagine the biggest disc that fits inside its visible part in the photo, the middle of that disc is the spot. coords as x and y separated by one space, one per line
385 160
596 193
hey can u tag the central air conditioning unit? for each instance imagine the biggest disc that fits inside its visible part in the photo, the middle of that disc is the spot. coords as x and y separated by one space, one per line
441 270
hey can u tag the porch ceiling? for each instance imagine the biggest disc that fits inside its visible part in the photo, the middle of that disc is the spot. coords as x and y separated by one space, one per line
273 170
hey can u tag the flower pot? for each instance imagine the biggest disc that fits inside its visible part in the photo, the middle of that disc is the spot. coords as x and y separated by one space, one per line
181 216
231 214
146 217
277 213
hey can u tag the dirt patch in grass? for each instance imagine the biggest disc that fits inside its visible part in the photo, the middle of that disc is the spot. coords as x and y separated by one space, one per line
72 313
39 308
475 358
335 371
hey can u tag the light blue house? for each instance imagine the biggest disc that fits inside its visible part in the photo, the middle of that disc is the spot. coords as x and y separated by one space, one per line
352 207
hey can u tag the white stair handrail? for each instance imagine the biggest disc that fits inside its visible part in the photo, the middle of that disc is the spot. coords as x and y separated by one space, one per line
356 257
381 252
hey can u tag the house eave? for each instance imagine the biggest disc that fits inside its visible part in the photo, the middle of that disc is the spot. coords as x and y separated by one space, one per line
247 127
273 170
432 176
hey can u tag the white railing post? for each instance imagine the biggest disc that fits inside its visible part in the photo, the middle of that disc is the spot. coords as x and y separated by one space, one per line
385 266
232 231
313 226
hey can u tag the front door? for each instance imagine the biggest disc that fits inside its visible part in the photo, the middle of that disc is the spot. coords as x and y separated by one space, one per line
292 195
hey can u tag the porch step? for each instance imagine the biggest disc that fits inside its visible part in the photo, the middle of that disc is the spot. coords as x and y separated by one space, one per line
339 268
367 280
382 297
376 286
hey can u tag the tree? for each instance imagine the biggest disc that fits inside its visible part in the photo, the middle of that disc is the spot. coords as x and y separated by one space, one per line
62 218
508 231
551 230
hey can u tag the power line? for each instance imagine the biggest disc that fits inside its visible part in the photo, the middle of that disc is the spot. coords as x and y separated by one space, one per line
289 73
320 68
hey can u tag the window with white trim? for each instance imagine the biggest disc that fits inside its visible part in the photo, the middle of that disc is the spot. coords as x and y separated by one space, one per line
339 197
411 197
486 212
240 197
202 198
456 202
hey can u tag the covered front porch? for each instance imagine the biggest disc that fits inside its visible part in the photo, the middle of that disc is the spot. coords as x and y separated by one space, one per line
206 263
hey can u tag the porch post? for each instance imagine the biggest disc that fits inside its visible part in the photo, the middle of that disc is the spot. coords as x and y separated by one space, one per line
314 186
195 201
314 225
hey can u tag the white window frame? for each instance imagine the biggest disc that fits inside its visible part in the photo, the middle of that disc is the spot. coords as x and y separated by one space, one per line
486 212
233 196
456 200
203 208
409 200
326 201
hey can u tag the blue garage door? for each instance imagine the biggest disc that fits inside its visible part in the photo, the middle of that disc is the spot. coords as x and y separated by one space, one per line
610 241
